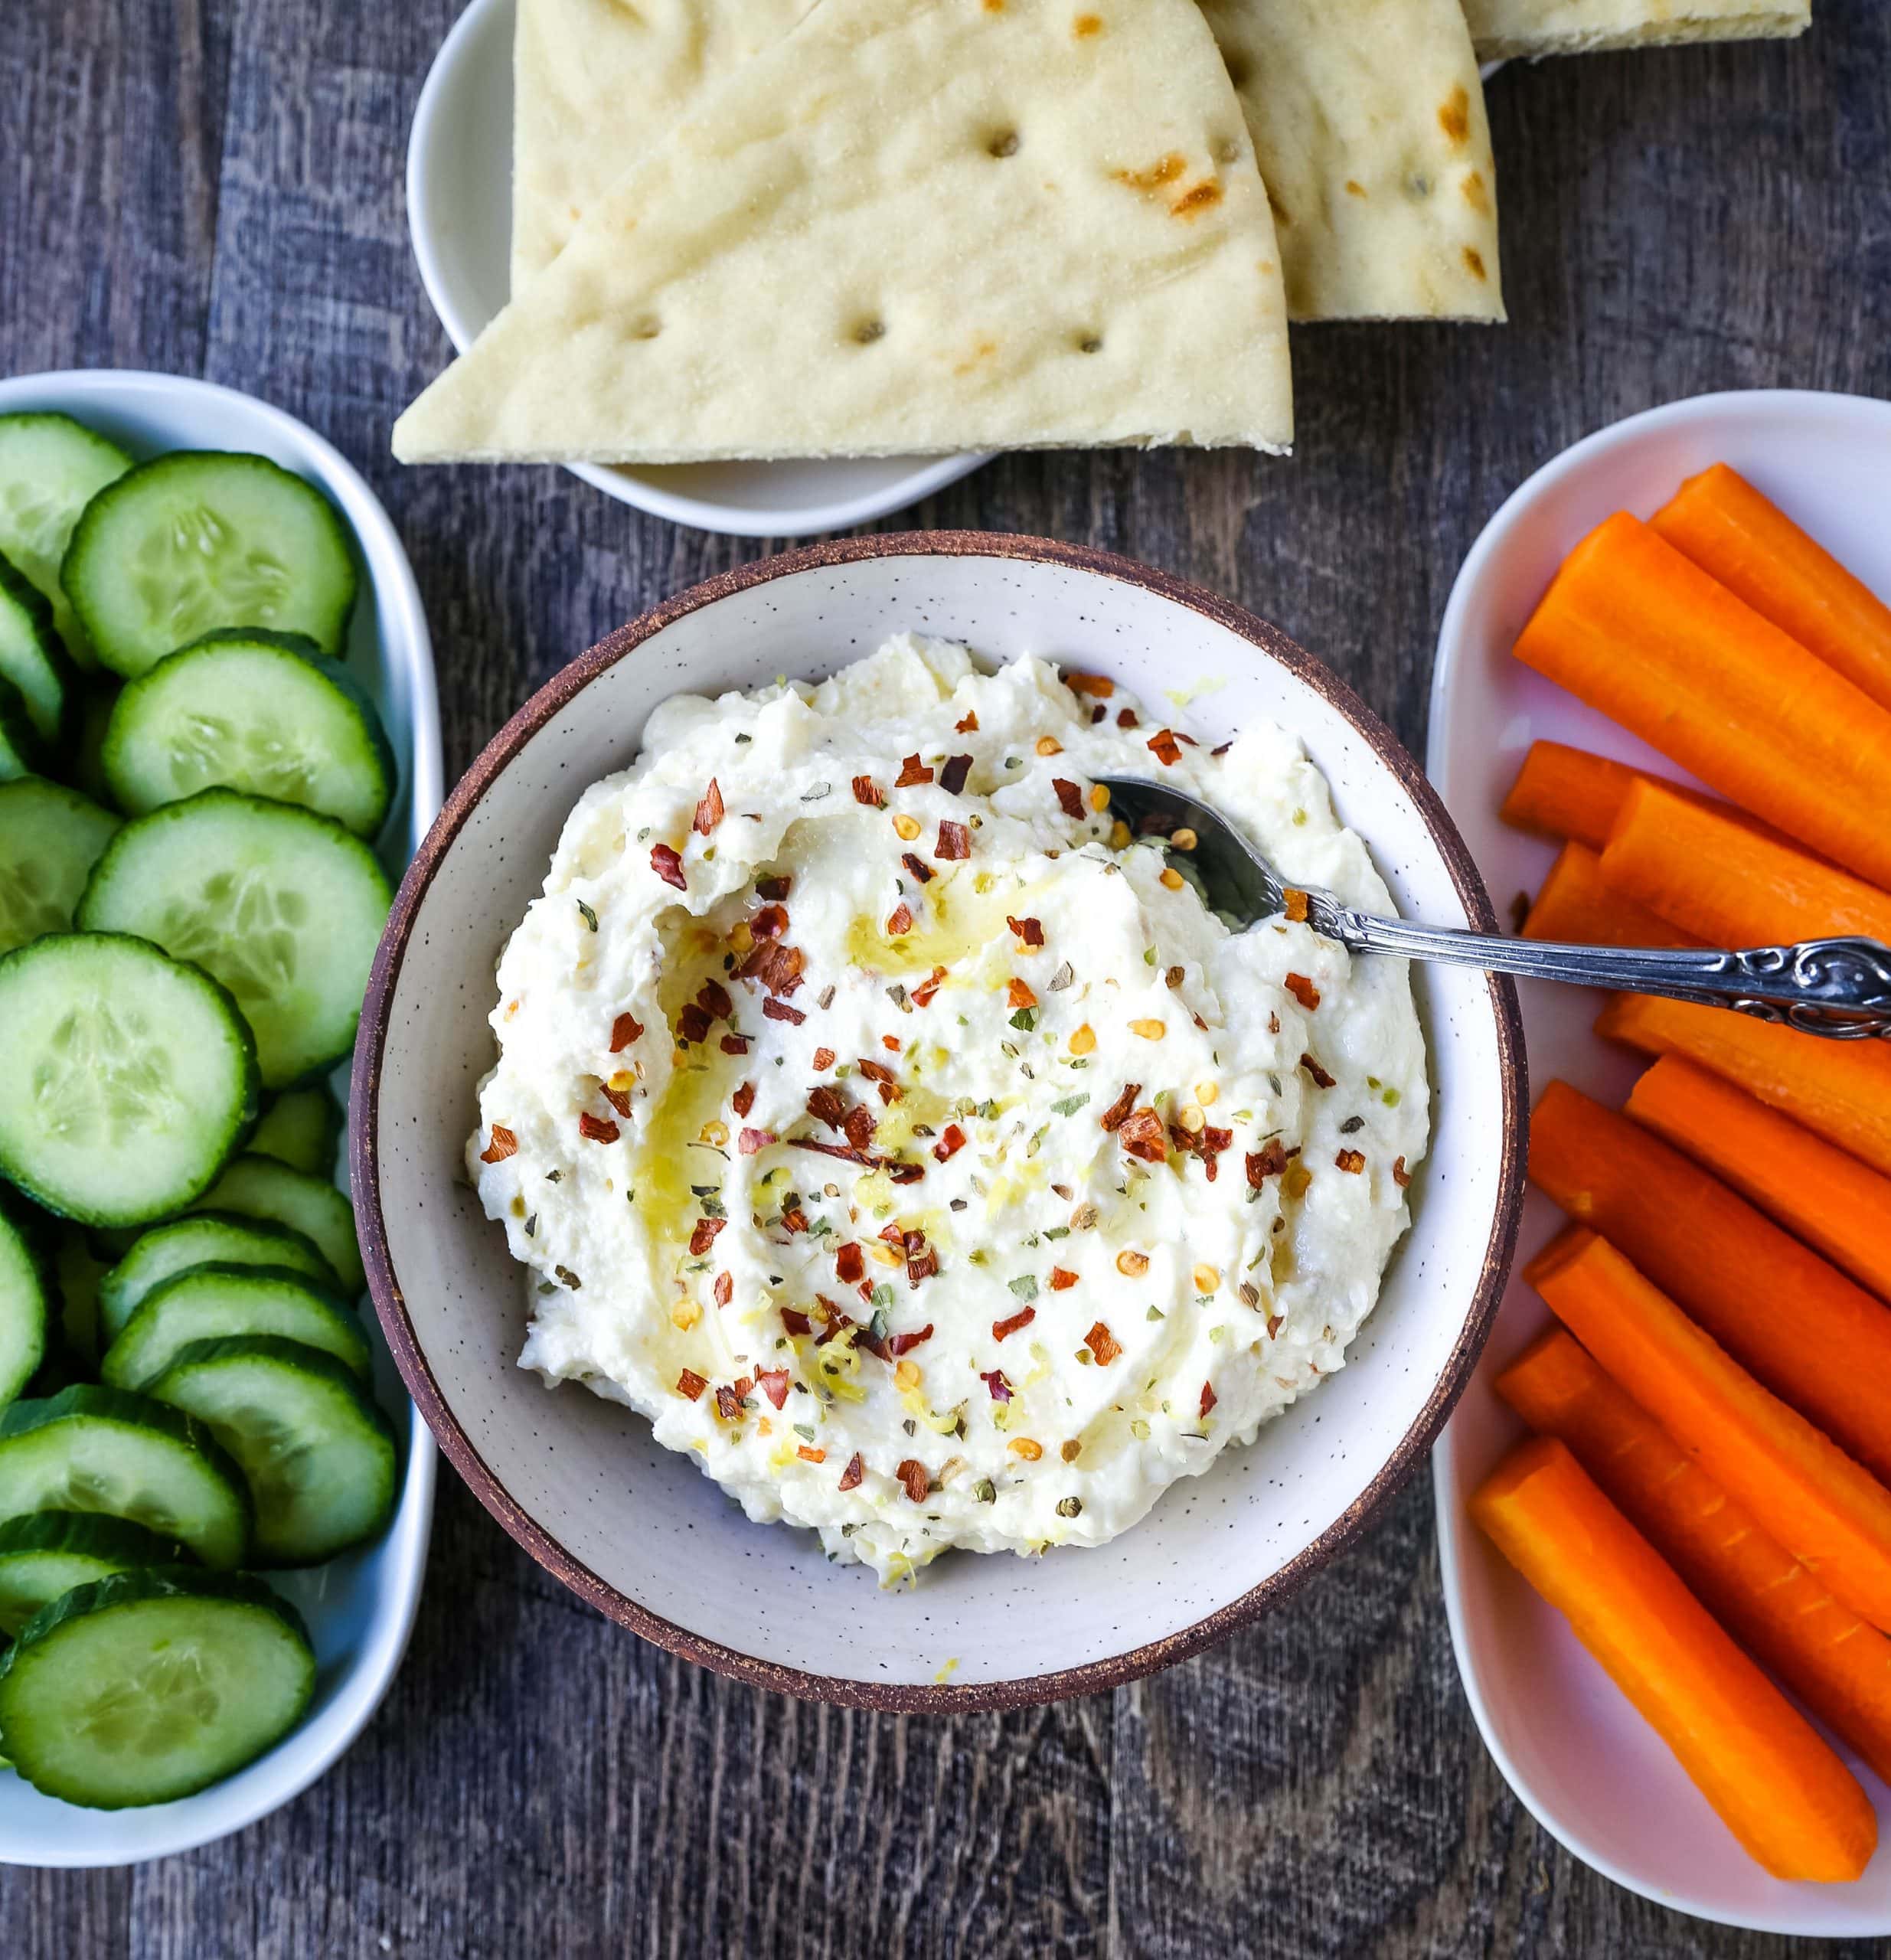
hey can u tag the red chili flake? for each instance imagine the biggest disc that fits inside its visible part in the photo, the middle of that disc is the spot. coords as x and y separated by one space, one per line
827 1105
625 1030
849 1263
709 810
1303 990
891 1042
743 1099
1000 1389
729 1400
860 1126
899 921
1273 1023
832 1320
866 791
904 1343
1103 1345
823 1058
713 998
1142 1135
924 995
1296 906
1126 718
1207 1143
918 867
1274 1323
1354 1161
1400 1175
955 842
1023 1318
1321 1079
951 778
1029 930
893 1235
1061 1279
1017 993
773 1383
851 1475
773 888
692 1023
768 923
1189 739
1163 746
900 1173
690 1384
1098 714
668 866
1069 795
1269 1162
775 1010
1097 686
916 1478
911 771
735 1044
795 1321
778 966
922 1263
750 1141
951 1139
793 1219
724 1288
704 1236
505 1144
618 1098
968 726
1112 1117
808 1453
1208 1397
599 1129
876 1071
849 1153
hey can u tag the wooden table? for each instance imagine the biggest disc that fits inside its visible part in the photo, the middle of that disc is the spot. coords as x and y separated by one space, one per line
216 189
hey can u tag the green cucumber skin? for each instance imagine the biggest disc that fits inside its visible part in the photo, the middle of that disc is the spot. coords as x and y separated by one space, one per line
122 1289
39 887
104 462
22 753
263 1188
128 1590
145 694
108 526
243 1116
127 1362
87 1538
55 711
24 1297
302 1129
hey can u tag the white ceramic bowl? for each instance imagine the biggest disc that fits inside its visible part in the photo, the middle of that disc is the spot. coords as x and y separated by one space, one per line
1587 1766
639 1531
459 211
360 1608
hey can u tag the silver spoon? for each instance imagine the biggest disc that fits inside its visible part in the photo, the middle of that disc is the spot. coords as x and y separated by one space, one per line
1841 988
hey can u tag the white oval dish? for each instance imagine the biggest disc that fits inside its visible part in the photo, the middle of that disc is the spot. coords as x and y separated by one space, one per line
1590 1770
361 1607
459 212
639 1531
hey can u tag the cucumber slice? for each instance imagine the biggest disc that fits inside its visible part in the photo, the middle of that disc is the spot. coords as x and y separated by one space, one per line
302 1127
147 1686
99 1449
255 711
49 1552
126 1078
23 1309
204 538
51 837
32 659
22 751
260 1187
318 1453
208 1302
207 1238
284 907
50 468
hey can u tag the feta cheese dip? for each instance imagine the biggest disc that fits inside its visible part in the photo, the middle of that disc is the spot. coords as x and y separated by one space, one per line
915 1148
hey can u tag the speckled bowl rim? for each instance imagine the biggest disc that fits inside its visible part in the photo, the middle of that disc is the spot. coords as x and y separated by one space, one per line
1094 1677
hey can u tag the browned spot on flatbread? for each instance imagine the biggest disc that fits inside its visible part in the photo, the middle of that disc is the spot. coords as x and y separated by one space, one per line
1455 118
1473 262
1086 24
1354 188
994 6
1164 170
1476 195
1198 197
982 351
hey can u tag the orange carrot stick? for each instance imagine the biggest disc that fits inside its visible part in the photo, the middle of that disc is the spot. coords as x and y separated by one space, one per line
1818 1192
1834 1517
1781 1792
1576 904
1644 635
1727 885
1719 520
1784 1313
1839 1665
1839 1089
1575 796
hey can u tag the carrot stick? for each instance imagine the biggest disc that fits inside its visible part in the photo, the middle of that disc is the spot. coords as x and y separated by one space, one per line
1834 1518
1643 634
1575 796
1784 1313
1719 520
1576 904
1727 885
1782 1792
1841 1090
1837 1205
1839 1665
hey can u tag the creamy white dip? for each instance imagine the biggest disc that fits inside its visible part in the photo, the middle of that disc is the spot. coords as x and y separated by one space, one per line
1102 1185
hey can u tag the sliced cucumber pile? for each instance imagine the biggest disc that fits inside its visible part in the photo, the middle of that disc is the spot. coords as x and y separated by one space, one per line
155 975
147 1686
49 1552
284 907
201 539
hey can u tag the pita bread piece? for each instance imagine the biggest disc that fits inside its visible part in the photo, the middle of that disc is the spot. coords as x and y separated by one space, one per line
910 225
1501 28
1367 117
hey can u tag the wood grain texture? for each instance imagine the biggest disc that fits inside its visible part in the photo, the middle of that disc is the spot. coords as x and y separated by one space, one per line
215 188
